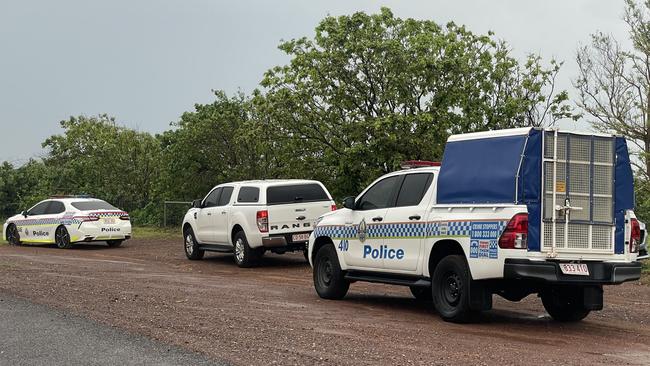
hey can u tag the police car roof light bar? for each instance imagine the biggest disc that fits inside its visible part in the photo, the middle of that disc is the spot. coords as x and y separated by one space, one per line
410 164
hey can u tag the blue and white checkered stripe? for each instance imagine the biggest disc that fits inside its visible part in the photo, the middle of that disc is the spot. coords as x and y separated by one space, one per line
403 230
45 222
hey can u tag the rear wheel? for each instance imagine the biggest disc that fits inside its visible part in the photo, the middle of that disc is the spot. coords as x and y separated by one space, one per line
245 256
422 293
13 237
191 246
114 243
62 238
564 305
329 279
450 289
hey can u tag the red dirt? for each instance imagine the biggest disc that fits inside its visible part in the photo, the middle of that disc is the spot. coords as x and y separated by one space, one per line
272 315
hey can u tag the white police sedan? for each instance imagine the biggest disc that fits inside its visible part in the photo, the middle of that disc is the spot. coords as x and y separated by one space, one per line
65 221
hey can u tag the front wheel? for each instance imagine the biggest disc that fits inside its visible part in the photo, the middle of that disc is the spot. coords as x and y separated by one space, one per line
450 289
421 293
62 238
114 243
13 237
191 246
564 305
329 280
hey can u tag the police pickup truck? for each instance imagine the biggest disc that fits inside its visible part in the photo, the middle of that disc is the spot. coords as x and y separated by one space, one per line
252 217
511 212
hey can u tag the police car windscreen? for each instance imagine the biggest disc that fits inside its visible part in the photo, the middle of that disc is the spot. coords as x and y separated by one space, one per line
92 205
295 193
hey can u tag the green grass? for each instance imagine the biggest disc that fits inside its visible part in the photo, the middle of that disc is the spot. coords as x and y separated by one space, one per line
152 232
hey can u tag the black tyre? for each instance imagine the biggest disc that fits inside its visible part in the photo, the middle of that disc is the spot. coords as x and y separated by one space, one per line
13 237
421 293
245 256
329 279
450 289
191 246
114 243
62 238
564 305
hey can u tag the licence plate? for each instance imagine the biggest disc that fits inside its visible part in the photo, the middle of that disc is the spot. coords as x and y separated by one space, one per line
109 221
578 269
300 237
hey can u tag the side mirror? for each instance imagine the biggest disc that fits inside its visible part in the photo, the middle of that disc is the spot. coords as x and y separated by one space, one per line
196 203
24 213
348 202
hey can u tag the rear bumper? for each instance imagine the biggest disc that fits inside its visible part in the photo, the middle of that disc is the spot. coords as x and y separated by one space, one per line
546 271
284 241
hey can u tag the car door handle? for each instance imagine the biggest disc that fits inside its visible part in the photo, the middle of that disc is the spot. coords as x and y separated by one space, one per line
223 212
415 217
209 213
378 218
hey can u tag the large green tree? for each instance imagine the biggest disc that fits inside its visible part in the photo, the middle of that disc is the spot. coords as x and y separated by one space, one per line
369 91
97 156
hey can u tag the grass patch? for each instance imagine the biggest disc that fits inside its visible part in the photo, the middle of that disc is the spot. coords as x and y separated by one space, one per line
152 232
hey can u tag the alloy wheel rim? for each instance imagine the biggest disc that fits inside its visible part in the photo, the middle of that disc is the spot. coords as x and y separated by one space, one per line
11 236
239 250
326 272
62 238
189 244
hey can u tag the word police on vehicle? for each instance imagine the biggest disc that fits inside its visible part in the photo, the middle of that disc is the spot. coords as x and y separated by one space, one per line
512 212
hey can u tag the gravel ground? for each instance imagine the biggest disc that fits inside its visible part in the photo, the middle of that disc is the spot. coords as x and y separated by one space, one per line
271 314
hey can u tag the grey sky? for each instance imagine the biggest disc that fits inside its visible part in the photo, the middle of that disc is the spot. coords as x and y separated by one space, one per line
146 62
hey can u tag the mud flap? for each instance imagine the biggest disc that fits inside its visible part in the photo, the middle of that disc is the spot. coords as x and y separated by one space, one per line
593 297
480 296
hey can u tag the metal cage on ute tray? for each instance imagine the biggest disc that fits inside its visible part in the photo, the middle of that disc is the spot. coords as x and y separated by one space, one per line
576 187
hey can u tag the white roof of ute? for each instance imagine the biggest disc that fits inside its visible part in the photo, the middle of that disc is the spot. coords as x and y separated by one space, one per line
272 182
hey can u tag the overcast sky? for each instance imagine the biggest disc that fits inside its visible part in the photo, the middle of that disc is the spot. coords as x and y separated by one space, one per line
146 62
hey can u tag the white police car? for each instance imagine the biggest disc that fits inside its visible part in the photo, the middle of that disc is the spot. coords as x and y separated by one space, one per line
67 220
512 213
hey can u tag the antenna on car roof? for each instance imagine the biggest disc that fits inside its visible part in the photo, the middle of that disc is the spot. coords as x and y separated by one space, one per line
410 164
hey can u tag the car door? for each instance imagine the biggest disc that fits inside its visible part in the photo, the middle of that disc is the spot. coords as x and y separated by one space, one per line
28 229
206 218
406 223
222 218
52 218
365 247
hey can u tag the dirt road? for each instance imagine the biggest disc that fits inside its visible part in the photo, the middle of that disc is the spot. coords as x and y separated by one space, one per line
271 314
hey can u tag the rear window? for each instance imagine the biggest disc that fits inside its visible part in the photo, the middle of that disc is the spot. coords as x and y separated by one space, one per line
248 194
295 193
92 205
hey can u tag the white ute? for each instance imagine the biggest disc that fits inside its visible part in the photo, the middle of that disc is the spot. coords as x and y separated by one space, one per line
248 218
512 212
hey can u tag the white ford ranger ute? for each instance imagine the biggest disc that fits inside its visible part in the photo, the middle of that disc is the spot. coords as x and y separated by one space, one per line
248 218
512 212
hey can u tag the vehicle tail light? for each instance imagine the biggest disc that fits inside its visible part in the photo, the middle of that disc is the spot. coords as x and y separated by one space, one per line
87 218
263 221
334 207
635 236
515 236
124 217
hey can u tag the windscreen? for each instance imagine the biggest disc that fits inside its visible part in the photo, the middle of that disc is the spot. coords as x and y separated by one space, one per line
92 205
295 193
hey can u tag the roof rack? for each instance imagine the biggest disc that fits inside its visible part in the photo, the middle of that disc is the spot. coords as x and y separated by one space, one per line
410 164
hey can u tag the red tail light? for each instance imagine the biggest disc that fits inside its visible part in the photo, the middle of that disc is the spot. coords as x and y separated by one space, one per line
334 207
263 221
87 218
515 236
635 236
124 217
